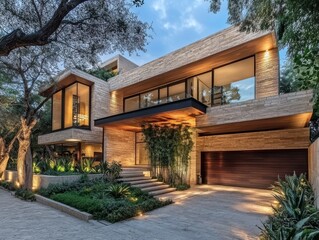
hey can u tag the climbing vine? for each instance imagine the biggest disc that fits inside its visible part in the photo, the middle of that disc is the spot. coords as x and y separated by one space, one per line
169 149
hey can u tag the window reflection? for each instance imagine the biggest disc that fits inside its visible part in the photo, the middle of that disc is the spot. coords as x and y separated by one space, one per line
234 82
231 83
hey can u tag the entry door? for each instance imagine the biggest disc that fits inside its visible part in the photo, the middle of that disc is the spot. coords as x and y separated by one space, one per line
141 154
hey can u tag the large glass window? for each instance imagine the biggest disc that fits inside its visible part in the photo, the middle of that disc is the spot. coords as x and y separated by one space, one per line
71 106
76 101
234 82
176 92
57 111
132 103
149 99
231 83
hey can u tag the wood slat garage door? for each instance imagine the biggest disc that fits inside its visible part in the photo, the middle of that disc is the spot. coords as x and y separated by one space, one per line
258 169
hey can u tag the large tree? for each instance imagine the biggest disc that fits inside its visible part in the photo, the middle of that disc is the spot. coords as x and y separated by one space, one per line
75 34
85 26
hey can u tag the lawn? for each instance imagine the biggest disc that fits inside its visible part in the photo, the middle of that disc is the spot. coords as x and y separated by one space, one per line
108 201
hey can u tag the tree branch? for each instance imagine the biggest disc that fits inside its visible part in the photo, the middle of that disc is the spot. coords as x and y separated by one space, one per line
17 38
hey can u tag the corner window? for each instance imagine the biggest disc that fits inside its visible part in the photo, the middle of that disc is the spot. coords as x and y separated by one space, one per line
234 82
76 102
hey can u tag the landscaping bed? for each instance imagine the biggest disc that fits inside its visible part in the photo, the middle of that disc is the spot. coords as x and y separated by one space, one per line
104 200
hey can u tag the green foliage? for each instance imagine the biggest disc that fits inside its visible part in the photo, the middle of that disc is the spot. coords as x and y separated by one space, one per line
295 216
119 190
288 82
112 171
102 73
182 187
109 201
169 148
25 194
7 185
86 165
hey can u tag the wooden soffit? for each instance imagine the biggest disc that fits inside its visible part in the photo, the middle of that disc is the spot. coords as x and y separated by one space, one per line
178 112
285 122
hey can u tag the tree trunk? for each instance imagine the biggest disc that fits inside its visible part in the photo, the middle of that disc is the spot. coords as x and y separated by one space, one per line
24 163
4 159
5 153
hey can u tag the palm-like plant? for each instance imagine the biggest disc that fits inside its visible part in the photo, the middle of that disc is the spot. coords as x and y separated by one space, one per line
295 216
118 190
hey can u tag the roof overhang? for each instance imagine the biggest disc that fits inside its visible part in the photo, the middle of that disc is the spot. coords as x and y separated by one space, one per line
66 78
284 122
182 111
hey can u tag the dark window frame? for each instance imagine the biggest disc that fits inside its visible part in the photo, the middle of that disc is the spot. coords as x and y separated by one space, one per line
63 108
186 84
213 85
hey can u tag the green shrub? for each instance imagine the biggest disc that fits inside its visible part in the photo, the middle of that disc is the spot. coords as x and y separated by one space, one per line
295 216
118 190
104 200
182 187
25 194
86 165
7 185
112 171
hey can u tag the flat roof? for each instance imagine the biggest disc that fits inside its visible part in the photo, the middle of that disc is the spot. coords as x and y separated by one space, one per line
181 111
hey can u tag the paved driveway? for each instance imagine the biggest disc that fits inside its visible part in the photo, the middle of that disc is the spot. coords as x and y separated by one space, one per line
213 213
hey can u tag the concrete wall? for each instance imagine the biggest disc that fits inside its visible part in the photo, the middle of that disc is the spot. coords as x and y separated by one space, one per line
203 48
267 73
277 139
313 168
274 106
119 146
43 181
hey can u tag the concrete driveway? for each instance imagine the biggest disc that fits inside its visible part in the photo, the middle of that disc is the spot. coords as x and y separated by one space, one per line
208 212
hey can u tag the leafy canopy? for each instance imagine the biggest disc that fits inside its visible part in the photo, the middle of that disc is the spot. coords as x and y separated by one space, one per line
73 28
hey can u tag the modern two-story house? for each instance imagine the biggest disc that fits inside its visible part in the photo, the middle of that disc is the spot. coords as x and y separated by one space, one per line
225 86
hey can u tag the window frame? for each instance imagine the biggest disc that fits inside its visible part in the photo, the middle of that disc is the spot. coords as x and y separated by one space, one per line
213 85
63 108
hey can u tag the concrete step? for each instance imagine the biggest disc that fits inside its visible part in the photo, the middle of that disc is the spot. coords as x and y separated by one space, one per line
143 182
133 179
162 191
155 188
148 184
132 174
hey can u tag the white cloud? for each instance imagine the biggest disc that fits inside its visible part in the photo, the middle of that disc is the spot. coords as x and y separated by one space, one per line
160 7
191 22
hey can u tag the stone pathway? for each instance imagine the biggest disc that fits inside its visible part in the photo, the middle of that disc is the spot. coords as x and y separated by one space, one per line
212 212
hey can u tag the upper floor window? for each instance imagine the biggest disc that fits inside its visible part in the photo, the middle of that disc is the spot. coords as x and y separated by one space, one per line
234 82
74 103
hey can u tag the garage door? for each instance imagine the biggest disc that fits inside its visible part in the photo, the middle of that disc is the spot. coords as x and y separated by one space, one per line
258 169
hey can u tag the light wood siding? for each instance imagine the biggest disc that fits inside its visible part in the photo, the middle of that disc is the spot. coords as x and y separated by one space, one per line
267 73
277 139
119 146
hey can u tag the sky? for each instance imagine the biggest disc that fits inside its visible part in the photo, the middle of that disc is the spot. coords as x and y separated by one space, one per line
175 24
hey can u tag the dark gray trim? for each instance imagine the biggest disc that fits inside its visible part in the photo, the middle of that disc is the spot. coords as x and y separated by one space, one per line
184 103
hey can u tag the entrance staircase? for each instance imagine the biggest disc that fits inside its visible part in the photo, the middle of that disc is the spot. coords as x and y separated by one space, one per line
140 177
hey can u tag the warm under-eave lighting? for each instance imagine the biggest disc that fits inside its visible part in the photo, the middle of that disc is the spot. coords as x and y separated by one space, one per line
73 140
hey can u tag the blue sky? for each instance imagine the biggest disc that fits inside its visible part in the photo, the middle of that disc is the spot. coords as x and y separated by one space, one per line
176 24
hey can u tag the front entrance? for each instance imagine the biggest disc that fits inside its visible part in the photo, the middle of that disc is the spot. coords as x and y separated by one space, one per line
141 154
257 169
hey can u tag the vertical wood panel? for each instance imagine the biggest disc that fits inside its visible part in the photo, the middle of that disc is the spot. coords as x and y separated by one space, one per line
258 169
